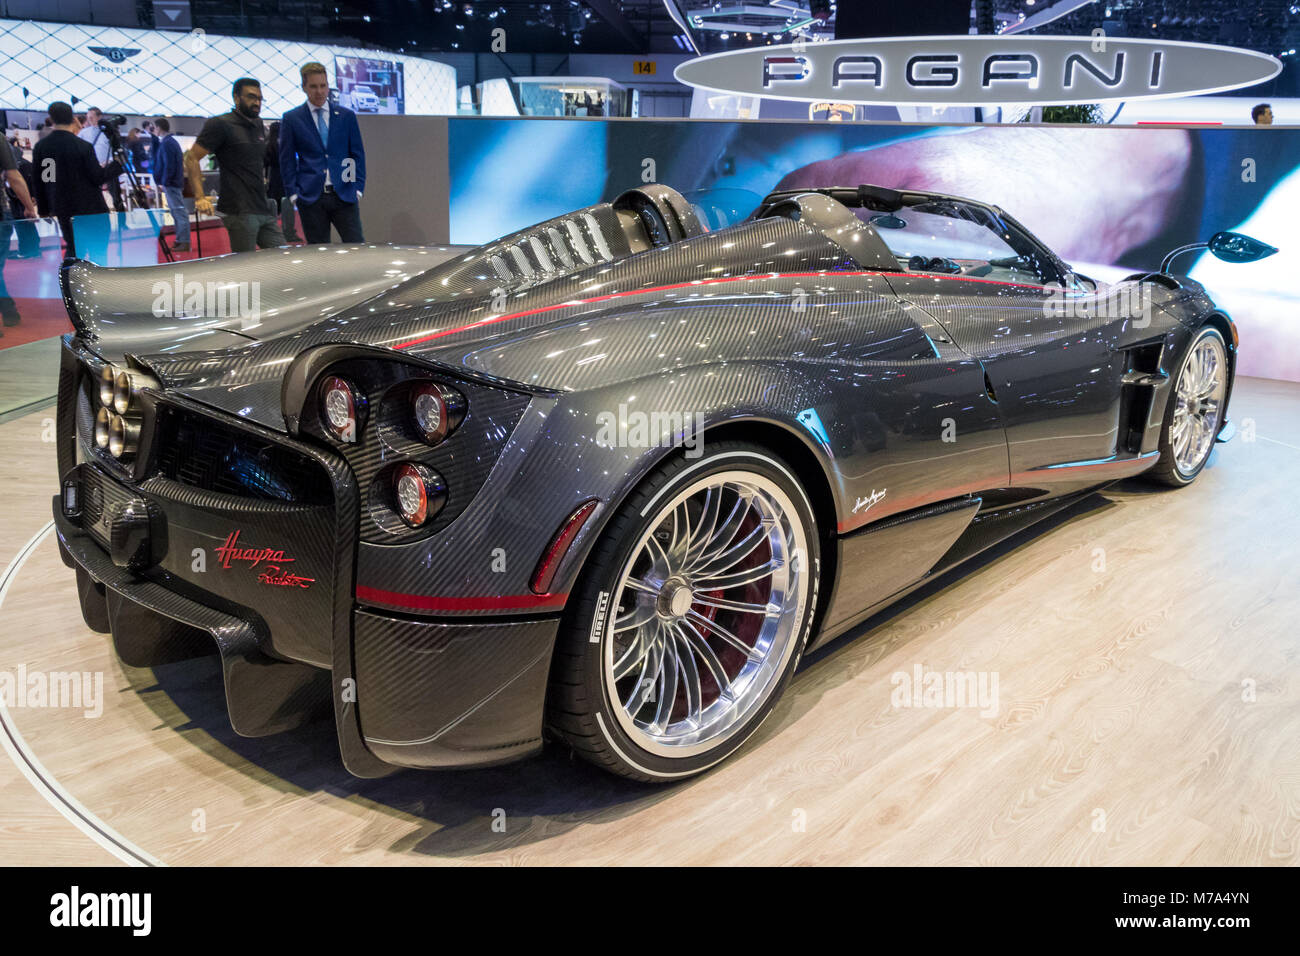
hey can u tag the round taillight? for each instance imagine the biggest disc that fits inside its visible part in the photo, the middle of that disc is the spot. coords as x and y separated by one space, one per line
340 408
102 421
435 411
419 493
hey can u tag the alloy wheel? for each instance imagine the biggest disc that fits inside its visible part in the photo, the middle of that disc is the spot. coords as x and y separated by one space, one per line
1202 384
708 609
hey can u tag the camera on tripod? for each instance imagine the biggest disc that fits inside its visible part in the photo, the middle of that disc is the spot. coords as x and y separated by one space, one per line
110 124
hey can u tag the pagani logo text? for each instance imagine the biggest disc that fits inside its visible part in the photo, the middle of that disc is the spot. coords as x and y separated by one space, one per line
979 70
273 574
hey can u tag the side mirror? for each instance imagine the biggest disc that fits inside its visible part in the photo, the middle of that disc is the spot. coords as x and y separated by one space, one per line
1228 246
1234 247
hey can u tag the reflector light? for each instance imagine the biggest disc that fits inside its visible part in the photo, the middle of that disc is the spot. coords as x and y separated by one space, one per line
71 499
544 576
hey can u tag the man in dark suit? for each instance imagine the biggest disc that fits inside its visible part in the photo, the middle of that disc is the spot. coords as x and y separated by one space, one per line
322 161
70 182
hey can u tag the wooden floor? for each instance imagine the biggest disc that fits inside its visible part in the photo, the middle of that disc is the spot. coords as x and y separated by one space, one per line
1146 646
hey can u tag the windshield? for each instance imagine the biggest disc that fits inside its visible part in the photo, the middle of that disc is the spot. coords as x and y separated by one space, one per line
951 238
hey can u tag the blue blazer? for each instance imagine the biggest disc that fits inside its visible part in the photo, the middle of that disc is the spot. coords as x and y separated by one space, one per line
303 157
169 163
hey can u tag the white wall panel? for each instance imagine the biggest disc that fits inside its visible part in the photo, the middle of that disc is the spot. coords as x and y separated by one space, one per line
185 74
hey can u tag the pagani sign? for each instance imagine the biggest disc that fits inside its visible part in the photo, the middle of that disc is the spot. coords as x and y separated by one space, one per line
979 70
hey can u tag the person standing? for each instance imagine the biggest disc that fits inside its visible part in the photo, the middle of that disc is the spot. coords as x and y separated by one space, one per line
151 130
137 152
70 181
238 141
93 134
1262 114
29 240
323 162
275 183
13 181
169 175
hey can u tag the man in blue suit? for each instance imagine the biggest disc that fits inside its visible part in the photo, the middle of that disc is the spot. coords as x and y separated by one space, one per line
169 176
322 161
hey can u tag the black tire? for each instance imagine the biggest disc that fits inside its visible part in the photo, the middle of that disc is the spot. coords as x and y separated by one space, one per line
580 710
1166 470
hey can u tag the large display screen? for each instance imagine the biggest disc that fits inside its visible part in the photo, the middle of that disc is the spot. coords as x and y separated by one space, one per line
369 86
1109 200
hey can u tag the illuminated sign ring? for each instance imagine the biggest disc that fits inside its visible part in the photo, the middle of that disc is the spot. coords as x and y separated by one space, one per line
979 70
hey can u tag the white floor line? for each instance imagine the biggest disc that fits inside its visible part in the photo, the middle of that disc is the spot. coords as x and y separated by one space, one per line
35 772
1276 442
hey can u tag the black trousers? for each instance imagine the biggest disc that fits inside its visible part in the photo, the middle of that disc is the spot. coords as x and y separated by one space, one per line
330 210
115 190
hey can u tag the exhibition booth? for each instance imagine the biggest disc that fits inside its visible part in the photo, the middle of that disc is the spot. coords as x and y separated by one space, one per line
858 440
1131 194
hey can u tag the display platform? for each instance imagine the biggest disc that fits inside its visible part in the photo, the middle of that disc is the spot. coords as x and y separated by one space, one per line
1147 714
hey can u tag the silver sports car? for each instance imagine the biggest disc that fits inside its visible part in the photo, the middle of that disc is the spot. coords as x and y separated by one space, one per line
604 480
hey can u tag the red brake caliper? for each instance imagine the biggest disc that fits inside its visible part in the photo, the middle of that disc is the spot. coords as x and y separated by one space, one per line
745 626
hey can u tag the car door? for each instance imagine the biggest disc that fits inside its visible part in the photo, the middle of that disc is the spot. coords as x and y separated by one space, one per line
1050 359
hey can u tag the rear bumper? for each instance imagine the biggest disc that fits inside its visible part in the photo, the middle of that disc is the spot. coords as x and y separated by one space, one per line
221 532
440 694
404 692
153 625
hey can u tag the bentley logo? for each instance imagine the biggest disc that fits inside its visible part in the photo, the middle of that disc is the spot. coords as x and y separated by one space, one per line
115 54
864 504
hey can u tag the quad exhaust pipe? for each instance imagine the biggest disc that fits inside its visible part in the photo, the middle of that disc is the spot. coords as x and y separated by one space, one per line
120 416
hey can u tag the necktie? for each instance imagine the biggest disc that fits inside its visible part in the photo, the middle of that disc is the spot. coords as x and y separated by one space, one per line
321 127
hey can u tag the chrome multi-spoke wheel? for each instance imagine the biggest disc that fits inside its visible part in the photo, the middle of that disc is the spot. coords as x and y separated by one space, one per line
690 615
1194 414
707 610
1202 384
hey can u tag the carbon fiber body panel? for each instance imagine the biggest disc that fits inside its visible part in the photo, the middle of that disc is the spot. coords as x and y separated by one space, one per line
208 304
153 623
443 695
